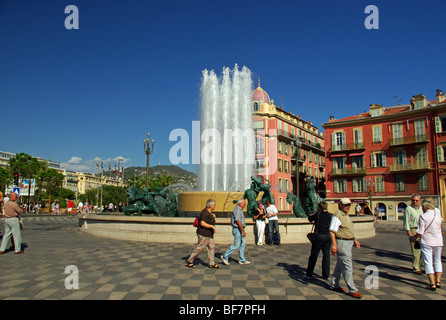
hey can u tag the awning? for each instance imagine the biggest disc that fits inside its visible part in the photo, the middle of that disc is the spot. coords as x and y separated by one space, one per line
338 155
357 154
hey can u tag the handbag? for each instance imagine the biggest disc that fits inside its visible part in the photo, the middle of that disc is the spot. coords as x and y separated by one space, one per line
312 235
196 221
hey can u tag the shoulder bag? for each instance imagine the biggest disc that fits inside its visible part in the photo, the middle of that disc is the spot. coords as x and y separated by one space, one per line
312 235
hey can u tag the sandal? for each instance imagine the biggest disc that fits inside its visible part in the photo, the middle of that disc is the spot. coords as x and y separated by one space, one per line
215 266
431 287
438 284
190 265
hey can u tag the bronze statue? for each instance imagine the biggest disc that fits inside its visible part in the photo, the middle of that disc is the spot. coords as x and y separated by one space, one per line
297 207
251 195
160 202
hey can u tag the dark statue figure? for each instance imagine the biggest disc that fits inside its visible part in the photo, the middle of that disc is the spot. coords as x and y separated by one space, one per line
311 201
313 198
297 206
160 203
252 193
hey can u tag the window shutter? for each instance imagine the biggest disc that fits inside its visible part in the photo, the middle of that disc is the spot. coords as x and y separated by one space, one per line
438 127
440 155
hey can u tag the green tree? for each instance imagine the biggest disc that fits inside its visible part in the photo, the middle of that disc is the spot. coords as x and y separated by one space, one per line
5 178
112 194
51 181
26 166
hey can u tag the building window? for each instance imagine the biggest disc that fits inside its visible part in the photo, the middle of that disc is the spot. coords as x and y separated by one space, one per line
419 104
357 133
280 185
397 133
423 182
441 151
280 165
256 106
399 157
358 184
419 128
339 162
378 159
421 155
259 164
260 146
340 185
440 124
377 134
338 140
357 161
379 184
399 183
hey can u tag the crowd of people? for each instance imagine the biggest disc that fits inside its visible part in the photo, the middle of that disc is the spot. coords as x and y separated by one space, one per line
334 234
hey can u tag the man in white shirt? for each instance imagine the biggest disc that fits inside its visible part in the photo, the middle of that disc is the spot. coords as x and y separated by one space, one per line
79 207
273 225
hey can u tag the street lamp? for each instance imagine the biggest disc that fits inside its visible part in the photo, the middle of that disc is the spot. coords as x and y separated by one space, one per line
298 144
369 184
148 152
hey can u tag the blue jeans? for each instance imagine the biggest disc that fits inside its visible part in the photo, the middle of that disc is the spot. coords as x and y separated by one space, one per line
273 226
239 244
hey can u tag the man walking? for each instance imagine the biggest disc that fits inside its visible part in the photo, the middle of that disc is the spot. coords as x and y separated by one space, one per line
411 216
238 231
342 239
12 224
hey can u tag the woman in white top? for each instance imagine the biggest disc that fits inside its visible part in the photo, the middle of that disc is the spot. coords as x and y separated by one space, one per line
431 242
259 218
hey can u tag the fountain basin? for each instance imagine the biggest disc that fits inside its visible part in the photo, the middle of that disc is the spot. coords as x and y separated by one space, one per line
148 228
190 203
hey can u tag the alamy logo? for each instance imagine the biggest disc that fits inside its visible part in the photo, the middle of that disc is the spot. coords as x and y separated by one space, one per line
72 281
72 21
227 147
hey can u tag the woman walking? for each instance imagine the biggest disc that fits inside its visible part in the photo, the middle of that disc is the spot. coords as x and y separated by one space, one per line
205 233
431 243
322 220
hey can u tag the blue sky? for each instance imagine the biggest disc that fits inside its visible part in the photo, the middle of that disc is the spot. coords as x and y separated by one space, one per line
134 67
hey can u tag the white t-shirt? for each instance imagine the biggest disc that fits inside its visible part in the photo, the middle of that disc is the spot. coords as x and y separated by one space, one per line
272 209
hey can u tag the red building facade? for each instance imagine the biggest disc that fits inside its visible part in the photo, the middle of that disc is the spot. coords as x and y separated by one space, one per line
385 155
278 157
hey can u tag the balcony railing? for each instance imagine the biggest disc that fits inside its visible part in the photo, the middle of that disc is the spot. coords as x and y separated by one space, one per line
409 140
414 166
349 171
348 147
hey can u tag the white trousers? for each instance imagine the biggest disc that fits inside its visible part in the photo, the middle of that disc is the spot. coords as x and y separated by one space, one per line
432 259
260 230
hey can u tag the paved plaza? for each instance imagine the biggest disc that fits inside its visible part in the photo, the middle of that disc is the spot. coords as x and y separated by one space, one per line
120 270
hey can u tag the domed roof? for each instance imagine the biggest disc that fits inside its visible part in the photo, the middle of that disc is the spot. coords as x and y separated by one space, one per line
260 95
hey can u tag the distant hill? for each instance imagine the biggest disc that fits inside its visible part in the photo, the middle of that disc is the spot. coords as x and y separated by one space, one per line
179 174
